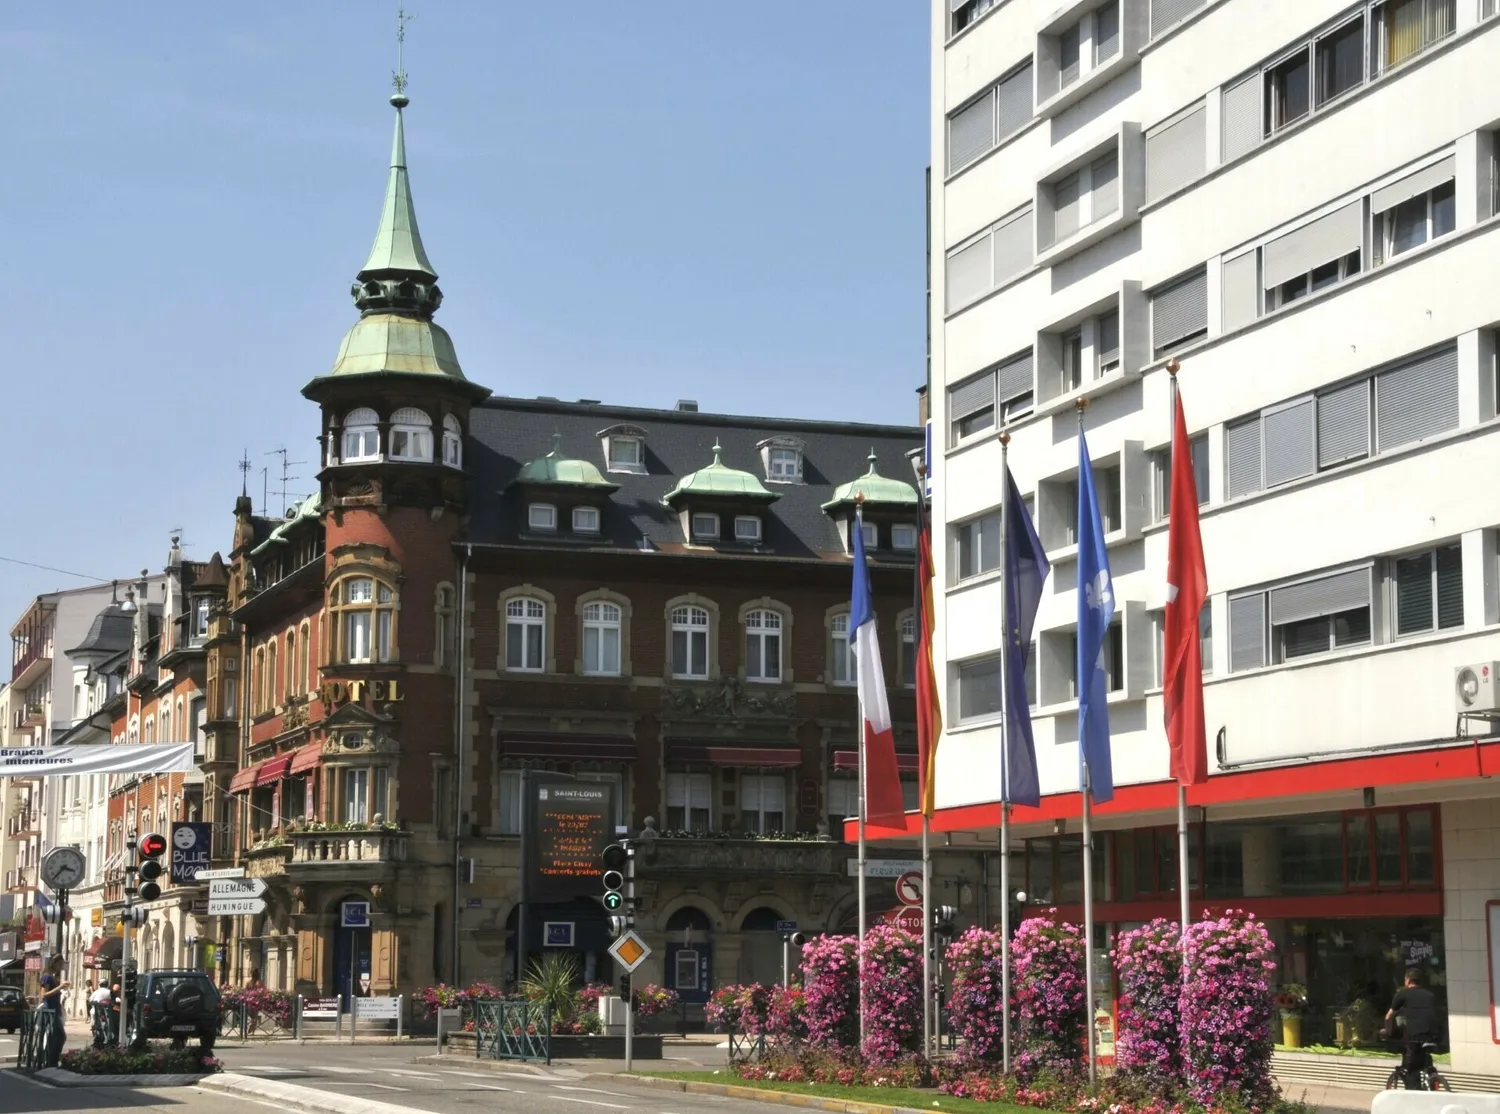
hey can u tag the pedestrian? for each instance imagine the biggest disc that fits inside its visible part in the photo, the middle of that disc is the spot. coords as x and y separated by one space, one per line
255 983
53 984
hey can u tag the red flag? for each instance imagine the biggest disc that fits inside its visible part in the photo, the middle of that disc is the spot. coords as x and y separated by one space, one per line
1187 588
929 710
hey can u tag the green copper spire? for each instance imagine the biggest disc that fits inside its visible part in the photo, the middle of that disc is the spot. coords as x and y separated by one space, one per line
877 490
398 246
719 481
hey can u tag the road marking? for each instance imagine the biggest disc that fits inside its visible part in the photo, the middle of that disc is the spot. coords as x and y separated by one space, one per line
342 1071
469 1074
589 1102
272 1068
355 1083
413 1074
492 1087
591 1090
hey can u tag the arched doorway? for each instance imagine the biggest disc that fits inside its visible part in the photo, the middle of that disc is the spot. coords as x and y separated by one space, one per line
689 955
760 953
351 948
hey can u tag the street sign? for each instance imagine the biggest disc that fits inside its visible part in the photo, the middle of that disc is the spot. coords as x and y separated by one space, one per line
630 951
884 868
908 917
235 887
909 888
376 1009
235 906
786 926
222 872
354 914
190 851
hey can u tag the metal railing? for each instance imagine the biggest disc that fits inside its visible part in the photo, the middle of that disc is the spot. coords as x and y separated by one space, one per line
512 1029
36 1031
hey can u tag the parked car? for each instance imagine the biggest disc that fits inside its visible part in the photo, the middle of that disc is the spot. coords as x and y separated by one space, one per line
178 1005
12 1006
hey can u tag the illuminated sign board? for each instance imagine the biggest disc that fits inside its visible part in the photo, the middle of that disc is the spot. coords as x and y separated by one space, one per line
567 826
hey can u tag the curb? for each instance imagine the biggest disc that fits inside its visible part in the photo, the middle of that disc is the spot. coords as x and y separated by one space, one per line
288 1096
761 1094
57 1077
498 1067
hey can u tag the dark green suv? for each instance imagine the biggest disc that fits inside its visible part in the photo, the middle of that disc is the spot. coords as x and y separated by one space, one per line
178 1005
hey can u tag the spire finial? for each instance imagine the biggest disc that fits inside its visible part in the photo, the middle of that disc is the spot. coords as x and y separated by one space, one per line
245 473
556 445
871 459
718 453
398 75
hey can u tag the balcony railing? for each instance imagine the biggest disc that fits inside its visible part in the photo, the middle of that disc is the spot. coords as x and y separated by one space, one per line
731 857
20 878
266 859
24 655
335 847
31 714
24 823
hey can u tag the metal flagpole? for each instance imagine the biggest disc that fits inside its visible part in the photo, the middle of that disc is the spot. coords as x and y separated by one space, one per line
919 604
1182 822
1088 860
859 727
1005 636
928 1048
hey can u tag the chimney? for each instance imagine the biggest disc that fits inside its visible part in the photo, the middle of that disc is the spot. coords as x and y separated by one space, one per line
687 405
922 407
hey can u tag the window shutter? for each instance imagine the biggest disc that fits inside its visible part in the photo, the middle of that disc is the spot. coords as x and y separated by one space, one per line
1290 441
1013 102
1417 400
1176 154
1450 586
1108 341
1327 595
1242 458
1013 377
1164 13
1012 247
1179 310
971 132
1413 577
1344 424
1241 126
1423 180
1104 187
1065 206
969 271
1324 240
1107 31
1241 296
1247 632
976 394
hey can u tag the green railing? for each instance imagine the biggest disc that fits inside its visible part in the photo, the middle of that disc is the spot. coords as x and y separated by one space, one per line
36 1031
512 1030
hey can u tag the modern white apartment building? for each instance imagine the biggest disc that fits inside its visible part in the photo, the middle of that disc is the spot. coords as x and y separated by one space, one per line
1297 200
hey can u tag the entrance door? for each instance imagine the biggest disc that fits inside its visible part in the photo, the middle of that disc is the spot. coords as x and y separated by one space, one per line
351 964
688 967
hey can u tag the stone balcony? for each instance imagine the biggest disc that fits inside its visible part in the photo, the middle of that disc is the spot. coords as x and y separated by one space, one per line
733 857
267 859
342 847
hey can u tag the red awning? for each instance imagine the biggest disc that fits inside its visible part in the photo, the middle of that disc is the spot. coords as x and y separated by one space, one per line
305 758
272 769
574 748
243 780
751 757
849 760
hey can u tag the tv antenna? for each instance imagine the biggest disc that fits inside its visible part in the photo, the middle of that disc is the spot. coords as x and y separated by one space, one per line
244 466
286 475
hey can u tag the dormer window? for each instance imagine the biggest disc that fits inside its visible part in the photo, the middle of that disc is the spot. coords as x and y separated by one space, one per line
782 458
872 535
705 527
585 520
453 442
624 448
361 436
746 528
411 435
903 536
200 618
541 516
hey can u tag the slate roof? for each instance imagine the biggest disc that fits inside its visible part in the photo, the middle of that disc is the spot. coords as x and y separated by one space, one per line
110 633
506 433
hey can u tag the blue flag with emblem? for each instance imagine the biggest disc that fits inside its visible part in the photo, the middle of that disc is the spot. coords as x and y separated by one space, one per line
1096 610
1026 570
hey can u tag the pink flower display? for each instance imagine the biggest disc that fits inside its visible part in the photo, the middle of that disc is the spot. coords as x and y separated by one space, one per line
1047 993
893 993
1227 1008
830 984
1149 1045
975 1001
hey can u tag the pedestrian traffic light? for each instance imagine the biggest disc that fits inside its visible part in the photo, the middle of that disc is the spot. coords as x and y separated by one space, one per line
615 858
151 847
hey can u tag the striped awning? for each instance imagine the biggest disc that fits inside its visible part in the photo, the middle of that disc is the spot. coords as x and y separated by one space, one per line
711 754
305 758
243 780
907 763
272 769
572 748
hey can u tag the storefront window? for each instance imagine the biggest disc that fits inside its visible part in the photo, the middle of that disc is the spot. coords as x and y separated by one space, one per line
1039 856
1054 869
1419 869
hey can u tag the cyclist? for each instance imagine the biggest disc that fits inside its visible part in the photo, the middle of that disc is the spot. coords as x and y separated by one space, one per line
99 1007
1414 1011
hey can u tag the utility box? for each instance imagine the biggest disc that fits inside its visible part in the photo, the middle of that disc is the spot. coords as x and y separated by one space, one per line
613 1017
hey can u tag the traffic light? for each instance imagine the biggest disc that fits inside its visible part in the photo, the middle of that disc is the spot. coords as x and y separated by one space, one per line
942 919
617 926
151 847
797 939
127 984
615 858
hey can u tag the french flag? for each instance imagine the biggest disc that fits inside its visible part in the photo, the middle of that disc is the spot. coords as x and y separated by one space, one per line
882 789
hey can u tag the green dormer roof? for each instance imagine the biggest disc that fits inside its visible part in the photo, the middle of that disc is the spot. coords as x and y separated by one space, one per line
877 490
719 481
557 470
311 507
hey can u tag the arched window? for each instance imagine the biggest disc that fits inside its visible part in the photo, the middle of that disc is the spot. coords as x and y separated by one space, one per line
763 646
365 619
843 658
291 663
453 442
273 679
304 649
361 435
690 642
443 627
258 682
166 723
909 651
601 639
525 634
411 434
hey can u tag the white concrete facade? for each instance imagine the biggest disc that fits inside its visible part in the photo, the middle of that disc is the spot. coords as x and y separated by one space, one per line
1298 202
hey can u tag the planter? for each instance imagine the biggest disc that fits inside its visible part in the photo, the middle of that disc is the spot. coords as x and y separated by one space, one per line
647 1046
1291 1031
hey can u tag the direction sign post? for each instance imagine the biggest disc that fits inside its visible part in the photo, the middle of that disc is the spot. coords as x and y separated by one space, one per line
236 897
909 888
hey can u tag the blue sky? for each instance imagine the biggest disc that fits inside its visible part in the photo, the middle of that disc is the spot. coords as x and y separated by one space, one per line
629 202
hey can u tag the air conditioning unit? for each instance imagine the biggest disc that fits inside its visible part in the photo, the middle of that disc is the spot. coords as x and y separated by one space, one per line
1475 691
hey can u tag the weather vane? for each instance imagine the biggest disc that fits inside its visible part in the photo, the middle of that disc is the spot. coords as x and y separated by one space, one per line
245 472
398 76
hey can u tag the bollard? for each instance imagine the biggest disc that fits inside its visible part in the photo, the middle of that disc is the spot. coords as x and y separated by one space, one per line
400 1007
244 1023
353 1017
297 1018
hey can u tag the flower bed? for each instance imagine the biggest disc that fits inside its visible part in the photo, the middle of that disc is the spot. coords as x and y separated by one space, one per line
154 1060
263 1008
1150 1044
1048 996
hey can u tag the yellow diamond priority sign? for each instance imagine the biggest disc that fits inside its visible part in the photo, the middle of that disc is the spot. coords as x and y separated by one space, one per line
630 951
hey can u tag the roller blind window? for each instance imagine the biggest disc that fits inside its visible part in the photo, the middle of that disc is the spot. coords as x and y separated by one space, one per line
998 113
1289 442
1176 153
1179 312
1428 589
1239 291
1320 615
1417 400
1344 424
971 406
1247 632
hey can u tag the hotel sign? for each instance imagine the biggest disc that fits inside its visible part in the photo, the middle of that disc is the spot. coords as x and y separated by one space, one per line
335 694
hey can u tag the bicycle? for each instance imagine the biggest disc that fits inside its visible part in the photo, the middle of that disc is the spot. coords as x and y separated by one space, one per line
1426 1072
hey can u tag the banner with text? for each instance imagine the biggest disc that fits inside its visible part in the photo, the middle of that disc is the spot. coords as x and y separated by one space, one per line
125 758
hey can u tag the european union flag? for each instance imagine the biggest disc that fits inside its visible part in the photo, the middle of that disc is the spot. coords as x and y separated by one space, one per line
1096 609
1026 570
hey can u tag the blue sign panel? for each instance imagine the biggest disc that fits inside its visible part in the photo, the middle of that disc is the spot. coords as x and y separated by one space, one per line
191 851
356 914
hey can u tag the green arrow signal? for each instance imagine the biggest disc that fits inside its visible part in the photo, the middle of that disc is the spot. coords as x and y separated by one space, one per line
613 900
